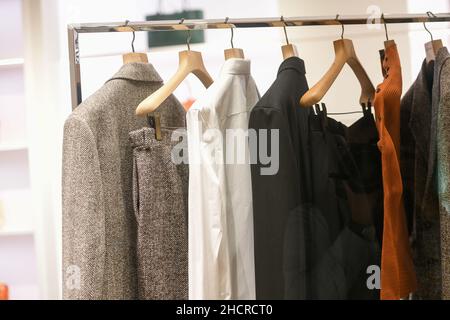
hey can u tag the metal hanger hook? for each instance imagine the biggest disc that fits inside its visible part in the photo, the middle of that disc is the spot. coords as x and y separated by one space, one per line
429 32
188 40
232 32
430 15
385 26
189 37
284 28
134 35
342 26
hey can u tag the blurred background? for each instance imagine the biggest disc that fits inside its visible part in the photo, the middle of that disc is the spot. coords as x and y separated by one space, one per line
35 92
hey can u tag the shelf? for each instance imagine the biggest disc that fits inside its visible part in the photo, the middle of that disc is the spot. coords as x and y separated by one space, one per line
13 62
17 213
24 292
16 233
15 146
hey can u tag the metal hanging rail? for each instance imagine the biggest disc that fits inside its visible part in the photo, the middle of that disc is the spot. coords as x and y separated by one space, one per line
172 25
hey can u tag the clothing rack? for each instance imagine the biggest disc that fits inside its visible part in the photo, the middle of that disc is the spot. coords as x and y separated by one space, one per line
176 25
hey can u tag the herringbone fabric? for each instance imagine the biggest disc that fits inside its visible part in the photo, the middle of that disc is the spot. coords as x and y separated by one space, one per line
441 96
99 228
160 189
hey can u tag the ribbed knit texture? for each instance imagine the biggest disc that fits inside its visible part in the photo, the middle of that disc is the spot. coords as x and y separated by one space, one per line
398 278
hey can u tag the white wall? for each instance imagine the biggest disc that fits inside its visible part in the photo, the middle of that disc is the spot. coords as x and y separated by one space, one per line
43 104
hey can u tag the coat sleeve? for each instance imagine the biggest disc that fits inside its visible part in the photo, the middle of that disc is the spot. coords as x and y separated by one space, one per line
83 214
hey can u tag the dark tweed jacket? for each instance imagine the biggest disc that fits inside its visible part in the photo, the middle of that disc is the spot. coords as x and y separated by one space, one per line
441 94
425 152
421 204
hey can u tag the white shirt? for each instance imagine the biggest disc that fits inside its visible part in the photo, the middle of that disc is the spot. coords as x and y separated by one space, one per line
221 248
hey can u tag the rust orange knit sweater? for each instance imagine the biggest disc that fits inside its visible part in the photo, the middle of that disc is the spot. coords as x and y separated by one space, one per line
398 278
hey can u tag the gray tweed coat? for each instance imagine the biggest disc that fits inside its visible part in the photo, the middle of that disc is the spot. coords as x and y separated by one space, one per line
99 227
441 90
421 204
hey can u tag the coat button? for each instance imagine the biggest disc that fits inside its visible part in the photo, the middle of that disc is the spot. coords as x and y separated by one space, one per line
378 90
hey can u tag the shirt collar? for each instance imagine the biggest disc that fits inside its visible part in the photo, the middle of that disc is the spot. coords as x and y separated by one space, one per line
137 71
292 63
236 66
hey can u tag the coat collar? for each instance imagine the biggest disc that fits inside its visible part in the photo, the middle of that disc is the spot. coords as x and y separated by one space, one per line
292 63
137 71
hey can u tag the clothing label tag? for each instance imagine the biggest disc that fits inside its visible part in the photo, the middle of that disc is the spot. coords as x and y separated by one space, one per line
154 122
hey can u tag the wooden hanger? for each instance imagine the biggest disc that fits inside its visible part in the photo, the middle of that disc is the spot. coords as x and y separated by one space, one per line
344 54
288 50
233 52
189 62
432 47
387 44
133 56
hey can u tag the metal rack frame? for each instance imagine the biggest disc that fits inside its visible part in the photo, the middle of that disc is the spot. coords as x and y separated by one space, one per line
75 29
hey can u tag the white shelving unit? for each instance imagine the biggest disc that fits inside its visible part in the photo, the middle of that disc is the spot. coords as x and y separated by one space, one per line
18 258
13 146
16 233
11 62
